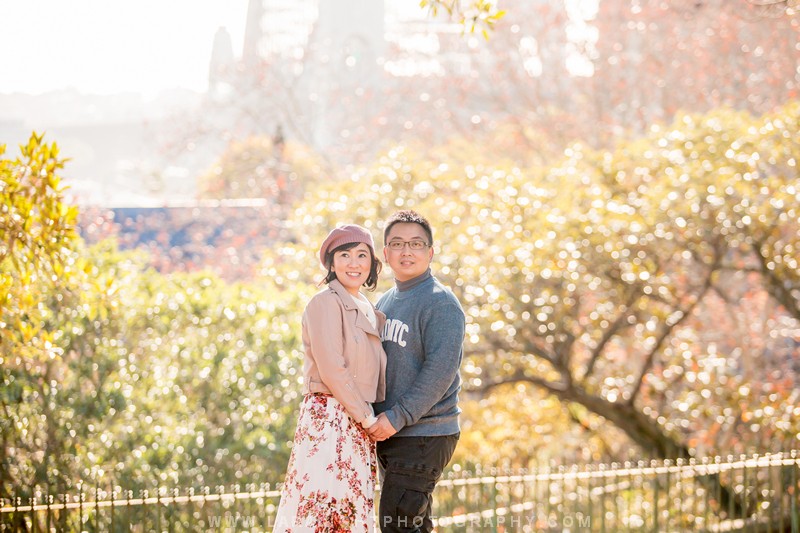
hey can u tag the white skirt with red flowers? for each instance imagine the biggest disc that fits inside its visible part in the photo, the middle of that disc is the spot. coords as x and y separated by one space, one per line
330 480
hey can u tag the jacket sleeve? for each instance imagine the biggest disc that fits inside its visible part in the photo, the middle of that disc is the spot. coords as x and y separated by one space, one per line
323 322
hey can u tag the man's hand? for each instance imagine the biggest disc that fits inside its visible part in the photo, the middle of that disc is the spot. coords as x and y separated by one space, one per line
382 429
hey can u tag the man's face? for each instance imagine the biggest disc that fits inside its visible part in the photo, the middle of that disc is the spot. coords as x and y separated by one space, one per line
405 262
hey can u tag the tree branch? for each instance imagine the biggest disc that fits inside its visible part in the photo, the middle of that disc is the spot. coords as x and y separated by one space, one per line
520 377
610 332
669 328
530 347
775 286
575 417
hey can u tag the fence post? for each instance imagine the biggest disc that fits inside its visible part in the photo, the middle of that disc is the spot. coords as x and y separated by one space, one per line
745 480
643 508
144 494
248 487
158 507
265 488
696 488
48 502
220 491
537 471
668 500
617 521
128 494
236 489
561 488
628 466
190 494
80 505
173 509
795 513
716 510
602 470
113 493
776 486
680 463
33 512
731 508
656 486
205 492
706 498
548 495
96 504
15 521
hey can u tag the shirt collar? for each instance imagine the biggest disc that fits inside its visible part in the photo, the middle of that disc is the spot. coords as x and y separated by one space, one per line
413 282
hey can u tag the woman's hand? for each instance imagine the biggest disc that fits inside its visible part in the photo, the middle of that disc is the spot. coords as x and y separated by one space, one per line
382 429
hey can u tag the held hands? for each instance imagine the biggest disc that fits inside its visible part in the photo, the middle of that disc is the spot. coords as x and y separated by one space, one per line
382 429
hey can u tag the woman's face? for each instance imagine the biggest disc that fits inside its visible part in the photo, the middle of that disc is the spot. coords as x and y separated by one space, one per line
352 267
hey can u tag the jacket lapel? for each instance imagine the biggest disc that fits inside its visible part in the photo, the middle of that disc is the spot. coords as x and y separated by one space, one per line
362 322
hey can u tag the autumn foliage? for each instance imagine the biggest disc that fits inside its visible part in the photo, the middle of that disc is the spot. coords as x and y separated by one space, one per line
636 301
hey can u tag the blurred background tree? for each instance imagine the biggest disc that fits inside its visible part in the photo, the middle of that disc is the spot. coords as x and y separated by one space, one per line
624 244
640 301
549 74
598 280
113 371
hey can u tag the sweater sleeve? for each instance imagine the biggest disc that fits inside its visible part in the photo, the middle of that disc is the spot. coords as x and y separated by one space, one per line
442 333
322 322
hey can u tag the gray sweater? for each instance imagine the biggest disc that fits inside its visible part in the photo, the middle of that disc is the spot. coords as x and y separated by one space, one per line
423 338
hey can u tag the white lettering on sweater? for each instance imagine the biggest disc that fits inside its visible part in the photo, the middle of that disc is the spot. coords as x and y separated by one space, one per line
394 330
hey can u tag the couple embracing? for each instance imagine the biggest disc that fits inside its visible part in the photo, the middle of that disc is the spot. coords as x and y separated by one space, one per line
382 377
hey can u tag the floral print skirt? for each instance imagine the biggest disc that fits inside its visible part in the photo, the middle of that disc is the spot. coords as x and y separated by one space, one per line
330 480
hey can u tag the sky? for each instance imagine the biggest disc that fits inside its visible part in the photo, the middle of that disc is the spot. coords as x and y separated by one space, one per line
112 46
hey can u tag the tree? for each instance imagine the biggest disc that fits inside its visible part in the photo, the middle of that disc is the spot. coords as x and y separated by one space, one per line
201 378
116 374
37 233
264 168
36 229
594 279
554 72
635 242
472 14
653 60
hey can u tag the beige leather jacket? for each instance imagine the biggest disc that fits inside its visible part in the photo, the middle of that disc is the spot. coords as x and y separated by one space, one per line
343 352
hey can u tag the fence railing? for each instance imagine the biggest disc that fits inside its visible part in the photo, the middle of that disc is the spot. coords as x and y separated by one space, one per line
746 493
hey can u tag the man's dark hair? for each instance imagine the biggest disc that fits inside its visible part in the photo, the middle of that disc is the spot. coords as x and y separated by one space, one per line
408 216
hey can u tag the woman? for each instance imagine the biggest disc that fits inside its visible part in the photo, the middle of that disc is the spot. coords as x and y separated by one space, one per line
330 482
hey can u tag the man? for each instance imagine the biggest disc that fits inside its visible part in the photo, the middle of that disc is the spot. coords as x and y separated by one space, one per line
417 427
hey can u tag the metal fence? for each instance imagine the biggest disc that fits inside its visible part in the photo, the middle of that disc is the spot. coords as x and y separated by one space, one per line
747 493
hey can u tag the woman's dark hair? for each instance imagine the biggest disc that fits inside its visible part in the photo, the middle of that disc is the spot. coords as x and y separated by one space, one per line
374 269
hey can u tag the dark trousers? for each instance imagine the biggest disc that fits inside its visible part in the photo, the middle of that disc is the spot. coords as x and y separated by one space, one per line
410 468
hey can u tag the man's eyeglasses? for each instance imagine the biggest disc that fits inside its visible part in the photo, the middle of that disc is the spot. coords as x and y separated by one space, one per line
415 245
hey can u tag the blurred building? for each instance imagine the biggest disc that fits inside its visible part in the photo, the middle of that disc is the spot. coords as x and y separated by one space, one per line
317 72
306 57
115 143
